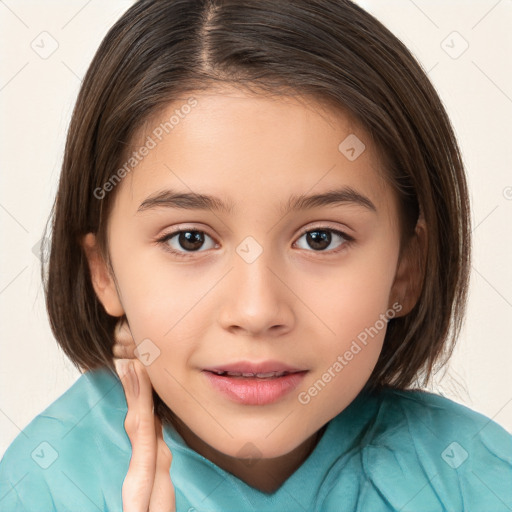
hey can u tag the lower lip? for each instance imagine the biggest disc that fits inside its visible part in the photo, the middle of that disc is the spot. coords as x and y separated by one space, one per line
254 391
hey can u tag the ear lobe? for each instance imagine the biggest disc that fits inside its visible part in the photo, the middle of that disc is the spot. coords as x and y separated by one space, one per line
410 273
102 280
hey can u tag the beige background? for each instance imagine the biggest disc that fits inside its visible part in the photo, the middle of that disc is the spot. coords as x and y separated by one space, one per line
36 99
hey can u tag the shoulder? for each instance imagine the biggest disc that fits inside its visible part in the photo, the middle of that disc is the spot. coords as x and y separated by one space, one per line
428 419
53 463
427 449
420 407
423 452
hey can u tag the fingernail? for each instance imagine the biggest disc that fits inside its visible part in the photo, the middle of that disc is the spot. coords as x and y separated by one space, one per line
121 367
134 381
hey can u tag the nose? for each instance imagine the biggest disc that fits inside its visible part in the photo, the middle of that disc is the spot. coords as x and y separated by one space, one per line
257 300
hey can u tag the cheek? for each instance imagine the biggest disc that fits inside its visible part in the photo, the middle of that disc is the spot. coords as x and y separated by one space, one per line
355 325
350 296
352 306
155 295
164 308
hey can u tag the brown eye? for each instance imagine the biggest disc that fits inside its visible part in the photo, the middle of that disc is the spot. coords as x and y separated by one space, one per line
185 241
319 239
190 240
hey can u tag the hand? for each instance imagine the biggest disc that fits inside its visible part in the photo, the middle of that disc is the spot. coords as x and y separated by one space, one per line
124 345
147 486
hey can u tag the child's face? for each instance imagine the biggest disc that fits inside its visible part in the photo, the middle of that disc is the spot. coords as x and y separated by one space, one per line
312 309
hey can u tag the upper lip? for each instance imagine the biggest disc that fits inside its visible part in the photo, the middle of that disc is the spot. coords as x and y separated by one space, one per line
250 367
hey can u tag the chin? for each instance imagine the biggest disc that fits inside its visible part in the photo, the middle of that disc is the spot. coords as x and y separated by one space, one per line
244 446
248 437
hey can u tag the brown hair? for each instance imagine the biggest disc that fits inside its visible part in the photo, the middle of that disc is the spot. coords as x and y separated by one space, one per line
331 50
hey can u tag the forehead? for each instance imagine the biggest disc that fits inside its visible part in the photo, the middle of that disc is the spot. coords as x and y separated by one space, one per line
245 147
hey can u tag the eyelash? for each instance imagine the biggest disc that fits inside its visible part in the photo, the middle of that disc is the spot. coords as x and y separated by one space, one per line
165 238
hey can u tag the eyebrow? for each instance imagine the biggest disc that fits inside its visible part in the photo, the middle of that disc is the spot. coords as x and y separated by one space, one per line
193 201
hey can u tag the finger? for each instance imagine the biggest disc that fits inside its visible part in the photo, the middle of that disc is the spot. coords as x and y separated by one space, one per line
124 342
123 351
124 345
162 496
140 427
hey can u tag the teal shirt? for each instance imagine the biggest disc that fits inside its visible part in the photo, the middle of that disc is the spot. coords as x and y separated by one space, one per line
391 451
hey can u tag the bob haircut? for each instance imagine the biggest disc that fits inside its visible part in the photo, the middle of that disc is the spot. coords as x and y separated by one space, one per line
330 50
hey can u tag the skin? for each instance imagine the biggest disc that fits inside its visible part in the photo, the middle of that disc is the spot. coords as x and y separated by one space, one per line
147 486
214 307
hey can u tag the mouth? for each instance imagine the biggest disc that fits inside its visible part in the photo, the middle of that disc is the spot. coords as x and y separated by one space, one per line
254 387
250 375
263 370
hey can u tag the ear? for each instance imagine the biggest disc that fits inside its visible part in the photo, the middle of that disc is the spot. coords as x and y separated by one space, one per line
102 280
410 272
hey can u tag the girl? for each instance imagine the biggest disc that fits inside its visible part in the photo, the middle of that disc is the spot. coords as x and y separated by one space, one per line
270 196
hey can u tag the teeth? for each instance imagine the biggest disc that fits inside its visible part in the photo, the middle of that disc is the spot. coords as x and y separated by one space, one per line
257 375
